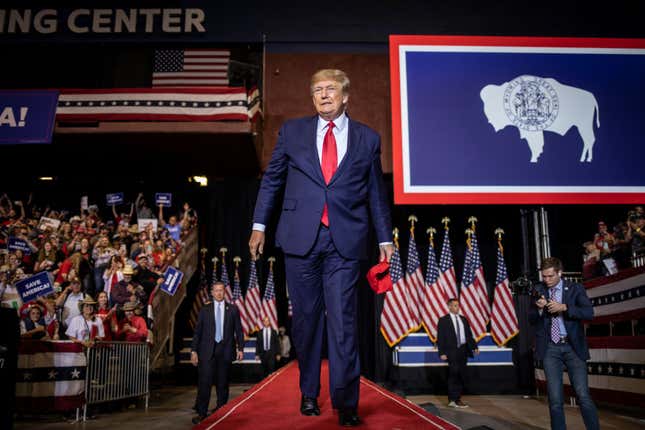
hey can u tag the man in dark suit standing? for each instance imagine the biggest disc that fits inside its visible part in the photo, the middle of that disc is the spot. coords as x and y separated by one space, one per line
218 336
455 343
328 168
267 347
560 341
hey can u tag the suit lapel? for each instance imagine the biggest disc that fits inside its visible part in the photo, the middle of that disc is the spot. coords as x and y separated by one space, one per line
353 138
312 151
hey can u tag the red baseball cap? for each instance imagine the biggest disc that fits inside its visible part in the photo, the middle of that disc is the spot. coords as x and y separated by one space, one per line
379 277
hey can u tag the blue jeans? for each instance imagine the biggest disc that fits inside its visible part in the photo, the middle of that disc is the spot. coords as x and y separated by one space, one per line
556 357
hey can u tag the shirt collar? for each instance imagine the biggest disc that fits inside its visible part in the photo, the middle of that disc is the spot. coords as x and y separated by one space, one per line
340 123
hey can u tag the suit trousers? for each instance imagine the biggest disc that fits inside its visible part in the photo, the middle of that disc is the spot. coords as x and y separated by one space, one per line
213 370
268 362
457 368
322 288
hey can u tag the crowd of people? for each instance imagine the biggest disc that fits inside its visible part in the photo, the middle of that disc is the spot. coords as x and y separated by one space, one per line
104 269
610 251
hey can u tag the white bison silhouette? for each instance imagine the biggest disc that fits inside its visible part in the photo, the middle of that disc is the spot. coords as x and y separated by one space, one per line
535 104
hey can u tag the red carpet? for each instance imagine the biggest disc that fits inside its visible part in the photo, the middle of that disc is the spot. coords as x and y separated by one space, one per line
274 403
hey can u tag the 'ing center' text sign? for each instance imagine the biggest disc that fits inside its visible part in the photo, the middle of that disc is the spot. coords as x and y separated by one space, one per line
505 120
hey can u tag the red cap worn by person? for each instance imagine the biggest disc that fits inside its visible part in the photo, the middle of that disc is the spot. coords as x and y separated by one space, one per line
379 278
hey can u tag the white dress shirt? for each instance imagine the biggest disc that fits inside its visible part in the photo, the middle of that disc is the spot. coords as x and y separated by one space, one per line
459 329
267 338
219 323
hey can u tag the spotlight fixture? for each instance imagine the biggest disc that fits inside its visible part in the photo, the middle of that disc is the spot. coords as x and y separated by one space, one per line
201 180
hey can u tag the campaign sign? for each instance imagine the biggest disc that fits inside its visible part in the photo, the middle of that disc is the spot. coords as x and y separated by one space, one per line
172 280
506 120
15 244
114 199
145 222
48 223
163 199
27 116
35 286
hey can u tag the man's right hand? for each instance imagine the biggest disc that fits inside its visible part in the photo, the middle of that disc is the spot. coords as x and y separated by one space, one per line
443 357
256 244
541 303
193 358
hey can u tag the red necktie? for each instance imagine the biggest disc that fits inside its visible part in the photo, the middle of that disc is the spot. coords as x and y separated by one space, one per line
329 164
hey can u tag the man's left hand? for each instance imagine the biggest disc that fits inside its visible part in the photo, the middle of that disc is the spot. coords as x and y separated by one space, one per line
555 307
240 355
476 351
386 251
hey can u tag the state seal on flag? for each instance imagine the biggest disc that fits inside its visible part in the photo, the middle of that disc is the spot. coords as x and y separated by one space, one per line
531 103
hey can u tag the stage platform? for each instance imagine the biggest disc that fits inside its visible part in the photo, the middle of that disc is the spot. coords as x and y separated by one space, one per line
274 403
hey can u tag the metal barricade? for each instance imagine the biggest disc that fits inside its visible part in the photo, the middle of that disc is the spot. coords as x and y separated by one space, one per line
638 259
116 370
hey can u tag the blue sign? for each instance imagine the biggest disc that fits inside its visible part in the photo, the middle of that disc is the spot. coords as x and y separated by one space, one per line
114 199
35 286
172 280
517 120
27 116
15 244
163 199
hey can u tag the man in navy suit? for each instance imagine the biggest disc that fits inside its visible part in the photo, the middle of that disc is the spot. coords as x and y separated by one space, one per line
560 341
328 167
218 335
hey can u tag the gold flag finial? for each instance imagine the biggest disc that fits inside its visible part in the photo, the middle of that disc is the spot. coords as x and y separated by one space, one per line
412 219
472 220
223 250
215 260
445 221
204 251
271 260
431 232
395 232
469 233
499 232
237 260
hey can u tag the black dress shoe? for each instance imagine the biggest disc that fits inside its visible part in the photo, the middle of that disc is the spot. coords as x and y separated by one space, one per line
198 419
348 418
309 406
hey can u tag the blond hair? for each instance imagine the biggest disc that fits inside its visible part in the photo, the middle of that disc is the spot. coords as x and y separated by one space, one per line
330 75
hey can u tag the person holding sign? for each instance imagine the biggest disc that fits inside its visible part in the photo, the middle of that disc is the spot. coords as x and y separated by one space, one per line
173 227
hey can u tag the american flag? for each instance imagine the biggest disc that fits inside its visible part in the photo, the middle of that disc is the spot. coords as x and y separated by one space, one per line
50 376
503 323
253 301
238 300
475 308
396 321
190 67
415 284
201 297
447 278
228 294
268 301
437 299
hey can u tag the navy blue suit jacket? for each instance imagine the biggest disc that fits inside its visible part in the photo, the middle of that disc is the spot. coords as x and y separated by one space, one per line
204 337
579 309
355 193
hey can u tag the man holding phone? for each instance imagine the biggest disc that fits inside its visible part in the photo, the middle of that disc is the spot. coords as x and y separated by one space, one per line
560 341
